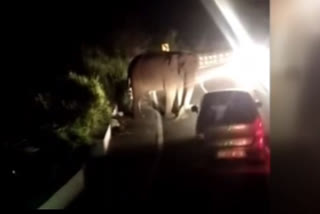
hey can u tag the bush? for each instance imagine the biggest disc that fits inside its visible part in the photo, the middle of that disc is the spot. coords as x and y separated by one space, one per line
94 120
112 73
99 64
77 111
77 107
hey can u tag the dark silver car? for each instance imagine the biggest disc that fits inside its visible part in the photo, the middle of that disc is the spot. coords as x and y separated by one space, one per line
230 125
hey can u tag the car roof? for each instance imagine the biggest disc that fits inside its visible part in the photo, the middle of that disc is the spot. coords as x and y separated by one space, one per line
233 90
229 90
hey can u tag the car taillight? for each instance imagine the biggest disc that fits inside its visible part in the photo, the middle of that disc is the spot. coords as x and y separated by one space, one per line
259 133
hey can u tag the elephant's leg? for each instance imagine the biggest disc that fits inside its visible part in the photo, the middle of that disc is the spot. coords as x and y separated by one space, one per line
136 107
162 101
179 97
155 98
188 96
170 96
137 95
178 100
186 103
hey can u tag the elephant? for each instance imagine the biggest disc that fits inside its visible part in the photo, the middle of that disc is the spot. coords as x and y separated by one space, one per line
173 73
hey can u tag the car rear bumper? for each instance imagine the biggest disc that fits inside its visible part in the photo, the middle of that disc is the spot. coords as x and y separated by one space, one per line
240 167
254 162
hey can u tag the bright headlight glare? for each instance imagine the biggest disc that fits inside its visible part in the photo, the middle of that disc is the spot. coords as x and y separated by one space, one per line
247 66
251 65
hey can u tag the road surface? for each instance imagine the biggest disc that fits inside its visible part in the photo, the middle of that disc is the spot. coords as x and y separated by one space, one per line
180 175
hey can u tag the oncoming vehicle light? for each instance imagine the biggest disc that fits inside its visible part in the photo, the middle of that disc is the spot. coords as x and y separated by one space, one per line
248 63
248 67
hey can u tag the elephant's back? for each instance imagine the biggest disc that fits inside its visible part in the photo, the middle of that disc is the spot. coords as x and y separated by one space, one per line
149 62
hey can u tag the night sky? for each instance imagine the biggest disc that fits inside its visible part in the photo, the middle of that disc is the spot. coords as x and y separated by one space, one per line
45 38
54 32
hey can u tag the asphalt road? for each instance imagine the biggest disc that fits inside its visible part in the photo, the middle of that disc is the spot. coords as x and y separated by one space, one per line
180 178
179 175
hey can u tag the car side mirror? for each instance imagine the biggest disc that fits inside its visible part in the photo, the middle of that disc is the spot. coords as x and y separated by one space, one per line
195 109
258 103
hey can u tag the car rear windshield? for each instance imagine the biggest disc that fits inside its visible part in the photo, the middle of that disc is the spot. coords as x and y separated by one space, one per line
223 108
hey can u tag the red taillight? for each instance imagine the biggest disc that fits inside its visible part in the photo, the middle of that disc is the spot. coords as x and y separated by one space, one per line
259 133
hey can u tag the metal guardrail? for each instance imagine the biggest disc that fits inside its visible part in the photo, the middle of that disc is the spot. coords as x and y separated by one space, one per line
72 189
65 195
68 192
214 59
